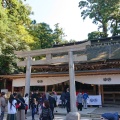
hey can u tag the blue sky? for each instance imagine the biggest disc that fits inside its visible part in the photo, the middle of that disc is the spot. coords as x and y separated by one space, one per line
64 12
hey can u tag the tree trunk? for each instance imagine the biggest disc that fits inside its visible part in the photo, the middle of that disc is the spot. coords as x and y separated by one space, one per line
105 29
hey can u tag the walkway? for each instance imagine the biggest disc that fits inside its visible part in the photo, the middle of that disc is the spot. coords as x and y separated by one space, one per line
92 113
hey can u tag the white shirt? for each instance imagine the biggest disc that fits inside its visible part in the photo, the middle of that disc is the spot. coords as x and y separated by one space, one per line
26 100
12 108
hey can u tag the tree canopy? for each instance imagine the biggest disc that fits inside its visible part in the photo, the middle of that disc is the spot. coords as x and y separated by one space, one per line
13 33
46 37
104 13
19 32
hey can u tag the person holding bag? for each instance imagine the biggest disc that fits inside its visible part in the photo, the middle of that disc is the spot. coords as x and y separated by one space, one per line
12 108
46 111
21 109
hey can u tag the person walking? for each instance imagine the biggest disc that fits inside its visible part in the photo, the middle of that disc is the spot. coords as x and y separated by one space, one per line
26 98
85 97
46 111
47 94
34 108
67 98
55 97
3 105
21 108
12 108
79 100
62 98
52 103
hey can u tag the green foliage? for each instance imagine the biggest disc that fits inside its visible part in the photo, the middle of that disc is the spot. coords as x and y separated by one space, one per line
45 37
58 34
42 36
95 35
14 19
17 33
104 13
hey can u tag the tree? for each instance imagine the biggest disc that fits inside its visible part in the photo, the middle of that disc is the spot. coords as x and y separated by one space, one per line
95 35
104 13
58 34
42 34
45 37
14 21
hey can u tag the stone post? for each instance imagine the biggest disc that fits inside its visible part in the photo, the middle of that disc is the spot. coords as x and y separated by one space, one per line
28 75
73 115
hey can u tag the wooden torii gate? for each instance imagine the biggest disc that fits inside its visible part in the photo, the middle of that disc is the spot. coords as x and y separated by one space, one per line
70 58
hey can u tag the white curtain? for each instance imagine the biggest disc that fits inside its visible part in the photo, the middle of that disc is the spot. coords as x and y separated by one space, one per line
90 79
41 81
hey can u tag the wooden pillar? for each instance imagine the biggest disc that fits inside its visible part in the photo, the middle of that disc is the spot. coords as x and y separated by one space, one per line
24 90
99 92
4 83
45 88
102 93
12 89
94 89
99 89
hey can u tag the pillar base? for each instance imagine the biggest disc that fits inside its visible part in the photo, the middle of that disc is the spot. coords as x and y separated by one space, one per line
73 116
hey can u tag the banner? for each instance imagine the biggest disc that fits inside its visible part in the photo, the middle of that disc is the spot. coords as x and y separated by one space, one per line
92 100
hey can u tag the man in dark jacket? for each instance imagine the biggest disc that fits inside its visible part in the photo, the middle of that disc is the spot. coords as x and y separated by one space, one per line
51 101
67 98
62 98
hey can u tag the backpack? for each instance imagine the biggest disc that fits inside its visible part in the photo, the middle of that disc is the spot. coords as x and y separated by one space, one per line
45 117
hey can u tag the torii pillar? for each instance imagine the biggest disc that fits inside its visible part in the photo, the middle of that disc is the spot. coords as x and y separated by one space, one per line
28 75
73 115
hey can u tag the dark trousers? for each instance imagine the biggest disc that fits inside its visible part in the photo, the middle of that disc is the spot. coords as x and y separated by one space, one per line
33 113
68 107
52 109
80 106
63 103
2 115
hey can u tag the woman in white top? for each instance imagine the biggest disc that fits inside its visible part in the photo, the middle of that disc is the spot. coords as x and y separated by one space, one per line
11 108
26 98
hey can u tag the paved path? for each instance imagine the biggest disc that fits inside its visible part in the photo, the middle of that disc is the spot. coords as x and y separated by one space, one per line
92 113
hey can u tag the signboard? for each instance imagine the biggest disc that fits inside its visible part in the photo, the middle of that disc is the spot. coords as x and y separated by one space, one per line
92 100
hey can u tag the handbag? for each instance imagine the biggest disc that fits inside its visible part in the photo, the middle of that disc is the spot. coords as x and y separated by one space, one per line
26 107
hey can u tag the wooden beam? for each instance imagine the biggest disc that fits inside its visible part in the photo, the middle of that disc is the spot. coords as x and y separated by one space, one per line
64 49
64 59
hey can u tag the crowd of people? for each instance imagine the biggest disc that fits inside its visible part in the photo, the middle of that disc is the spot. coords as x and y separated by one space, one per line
39 103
